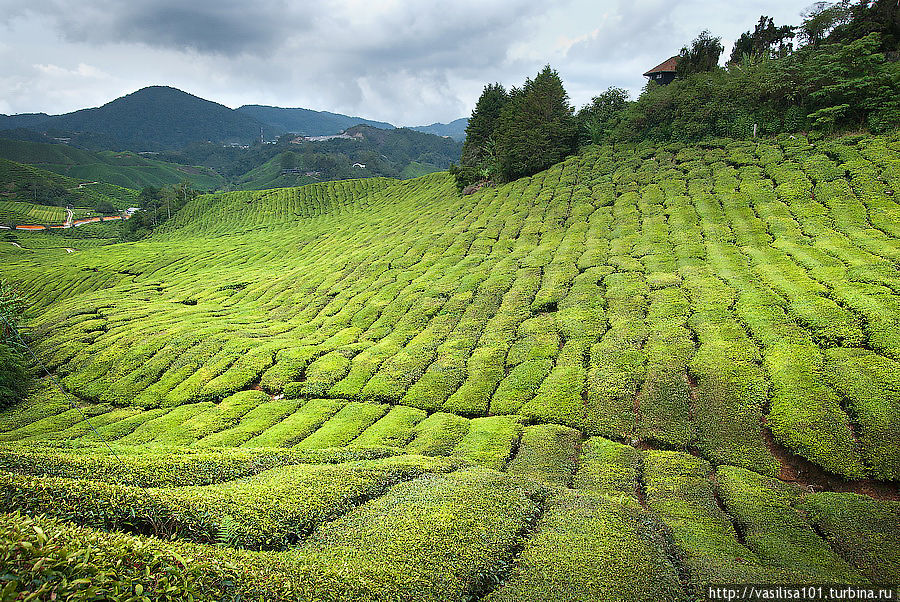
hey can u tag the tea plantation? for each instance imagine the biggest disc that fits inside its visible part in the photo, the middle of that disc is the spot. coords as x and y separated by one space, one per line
643 371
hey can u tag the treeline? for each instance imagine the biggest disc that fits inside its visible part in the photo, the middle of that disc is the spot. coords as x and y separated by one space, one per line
13 363
157 205
836 71
385 153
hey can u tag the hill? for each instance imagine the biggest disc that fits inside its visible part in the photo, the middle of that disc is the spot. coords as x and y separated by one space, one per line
150 119
646 370
456 129
126 169
27 184
306 121
22 120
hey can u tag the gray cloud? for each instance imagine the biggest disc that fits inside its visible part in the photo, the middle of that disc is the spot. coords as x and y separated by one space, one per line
403 62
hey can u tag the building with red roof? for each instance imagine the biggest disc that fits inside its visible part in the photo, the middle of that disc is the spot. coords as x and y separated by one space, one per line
663 73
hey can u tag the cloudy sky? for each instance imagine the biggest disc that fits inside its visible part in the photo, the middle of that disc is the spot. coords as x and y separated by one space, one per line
408 62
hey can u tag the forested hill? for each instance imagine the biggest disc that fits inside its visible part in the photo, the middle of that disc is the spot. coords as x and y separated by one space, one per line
306 121
153 118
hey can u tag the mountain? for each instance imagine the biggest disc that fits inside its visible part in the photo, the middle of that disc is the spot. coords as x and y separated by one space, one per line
122 168
306 121
153 118
456 129
22 120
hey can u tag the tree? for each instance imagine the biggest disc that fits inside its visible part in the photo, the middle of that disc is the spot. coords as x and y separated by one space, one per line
765 40
482 123
597 119
13 365
880 16
703 55
821 18
536 128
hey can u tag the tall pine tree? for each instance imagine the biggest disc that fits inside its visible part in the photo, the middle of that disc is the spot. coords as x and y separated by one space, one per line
536 128
482 123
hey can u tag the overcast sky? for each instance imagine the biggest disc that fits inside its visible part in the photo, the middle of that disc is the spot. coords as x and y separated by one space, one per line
409 62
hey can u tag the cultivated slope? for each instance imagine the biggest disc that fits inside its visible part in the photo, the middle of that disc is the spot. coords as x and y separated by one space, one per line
643 348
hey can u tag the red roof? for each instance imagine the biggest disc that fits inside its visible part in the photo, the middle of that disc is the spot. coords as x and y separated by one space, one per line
666 66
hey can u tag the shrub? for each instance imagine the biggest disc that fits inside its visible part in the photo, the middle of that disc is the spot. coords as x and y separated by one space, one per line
546 453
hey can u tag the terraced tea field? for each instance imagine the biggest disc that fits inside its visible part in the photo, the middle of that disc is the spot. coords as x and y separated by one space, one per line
641 372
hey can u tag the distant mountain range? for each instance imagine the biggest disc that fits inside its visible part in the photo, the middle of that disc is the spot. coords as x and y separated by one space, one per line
306 121
455 129
160 118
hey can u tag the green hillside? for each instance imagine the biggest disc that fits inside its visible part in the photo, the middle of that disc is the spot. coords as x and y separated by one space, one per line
22 184
644 371
125 169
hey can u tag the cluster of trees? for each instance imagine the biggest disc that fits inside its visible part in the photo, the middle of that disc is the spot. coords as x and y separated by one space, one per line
156 206
13 364
519 132
843 74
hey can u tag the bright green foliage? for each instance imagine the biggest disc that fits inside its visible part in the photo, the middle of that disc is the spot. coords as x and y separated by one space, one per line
778 534
630 298
395 428
320 376
871 385
437 537
679 492
863 530
170 468
438 434
42 555
607 467
257 420
345 426
297 426
266 511
546 453
490 441
589 548
806 415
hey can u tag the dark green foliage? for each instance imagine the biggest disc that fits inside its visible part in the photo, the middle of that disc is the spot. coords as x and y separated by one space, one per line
765 40
870 16
536 127
155 118
851 84
702 55
480 129
821 18
306 121
597 119
13 363
828 87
